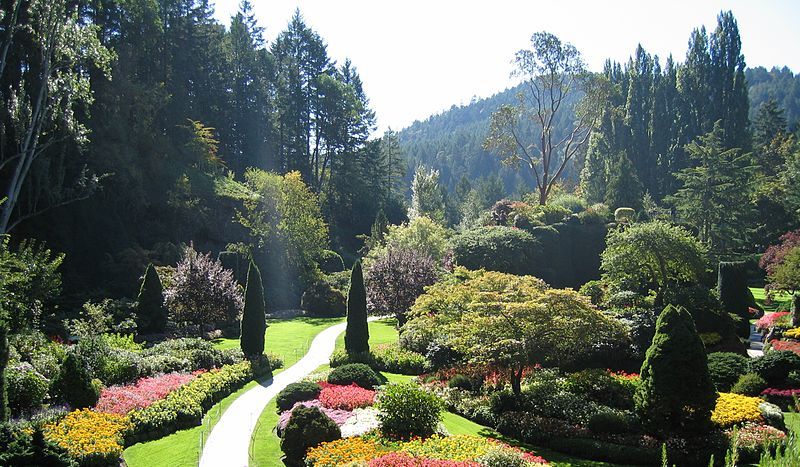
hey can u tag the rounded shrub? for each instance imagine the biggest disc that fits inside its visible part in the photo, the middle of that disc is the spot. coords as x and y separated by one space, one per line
26 388
322 300
358 373
307 427
408 410
502 457
502 249
460 382
775 366
725 368
609 422
297 392
749 384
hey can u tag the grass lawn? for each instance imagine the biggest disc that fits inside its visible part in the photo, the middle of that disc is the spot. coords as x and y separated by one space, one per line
781 301
289 339
380 332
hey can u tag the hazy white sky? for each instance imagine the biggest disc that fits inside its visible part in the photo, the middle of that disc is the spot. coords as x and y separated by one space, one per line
418 58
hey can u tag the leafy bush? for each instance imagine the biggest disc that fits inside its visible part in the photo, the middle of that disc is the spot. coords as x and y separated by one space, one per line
609 421
74 384
91 438
185 406
408 410
358 373
775 366
320 299
185 355
297 392
595 290
36 349
26 388
550 213
600 386
21 446
725 368
502 249
307 427
385 357
460 382
749 384
734 409
396 279
572 203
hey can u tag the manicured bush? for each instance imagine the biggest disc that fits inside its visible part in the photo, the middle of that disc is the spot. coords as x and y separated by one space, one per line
150 309
74 384
91 438
357 373
385 357
26 388
356 334
676 394
749 384
408 410
396 279
322 300
307 428
732 287
734 409
297 392
496 248
254 319
725 368
775 366
609 421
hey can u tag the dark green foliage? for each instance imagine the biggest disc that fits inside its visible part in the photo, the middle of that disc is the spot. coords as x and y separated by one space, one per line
624 188
26 389
20 448
599 386
775 366
460 382
74 384
4 414
725 368
358 373
408 410
676 394
296 392
307 427
150 309
320 299
254 319
732 288
387 357
236 262
749 384
497 248
356 334
608 421
706 311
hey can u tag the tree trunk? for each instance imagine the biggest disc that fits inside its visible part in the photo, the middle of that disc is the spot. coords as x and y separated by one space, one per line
516 381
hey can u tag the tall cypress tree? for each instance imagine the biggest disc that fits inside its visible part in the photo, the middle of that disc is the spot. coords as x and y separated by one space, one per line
254 320
676 394
356 335
150 307
624 188
3 364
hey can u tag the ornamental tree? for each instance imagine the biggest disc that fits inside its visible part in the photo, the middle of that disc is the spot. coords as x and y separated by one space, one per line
356 334
652 254
396 279
150 305
254 319
202 291
676 394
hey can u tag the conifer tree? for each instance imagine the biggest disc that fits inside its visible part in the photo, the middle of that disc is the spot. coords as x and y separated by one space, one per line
356 335
676 394
254 320
593 175
3 363
150 307
624 188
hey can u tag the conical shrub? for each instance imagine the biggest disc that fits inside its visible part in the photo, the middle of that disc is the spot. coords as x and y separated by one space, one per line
254 320
356 335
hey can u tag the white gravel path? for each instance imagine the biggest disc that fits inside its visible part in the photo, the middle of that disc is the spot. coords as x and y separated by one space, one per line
228 445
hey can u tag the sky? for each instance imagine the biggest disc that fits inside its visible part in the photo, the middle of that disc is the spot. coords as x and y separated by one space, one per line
418 58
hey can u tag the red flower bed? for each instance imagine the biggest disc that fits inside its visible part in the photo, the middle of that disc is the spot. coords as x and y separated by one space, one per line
401 459
122 399
780 392
792 346
349 397
769 319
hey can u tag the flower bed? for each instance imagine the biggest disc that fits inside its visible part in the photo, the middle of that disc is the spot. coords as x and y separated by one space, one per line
123 399
401 459
735 409
350 397
342 451
90 437
770 320
337 415
791 346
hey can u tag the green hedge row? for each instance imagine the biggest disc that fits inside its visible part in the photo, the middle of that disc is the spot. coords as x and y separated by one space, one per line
390 358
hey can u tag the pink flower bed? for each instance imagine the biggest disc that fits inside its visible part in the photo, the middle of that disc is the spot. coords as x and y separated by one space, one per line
780 392
122 399
401 459
345 397
791 346
768 320
337 415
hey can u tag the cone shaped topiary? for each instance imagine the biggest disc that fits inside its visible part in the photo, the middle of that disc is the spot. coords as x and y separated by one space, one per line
150 307
356 335
676 394
254 320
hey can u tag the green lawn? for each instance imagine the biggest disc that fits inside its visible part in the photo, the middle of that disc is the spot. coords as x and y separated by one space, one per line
781 300
380 332
289 339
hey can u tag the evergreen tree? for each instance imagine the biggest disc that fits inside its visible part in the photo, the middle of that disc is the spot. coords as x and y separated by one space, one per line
676 395
356 335
4 413
729 99
74 383
150 307
715 196
254 320
593 175
769 123
427 196
624 188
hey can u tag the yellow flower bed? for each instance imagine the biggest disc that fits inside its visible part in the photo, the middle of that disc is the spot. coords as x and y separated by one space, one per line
734 409
89 436
792 333
342 451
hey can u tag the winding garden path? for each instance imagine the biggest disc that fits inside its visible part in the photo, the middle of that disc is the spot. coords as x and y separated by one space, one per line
228 444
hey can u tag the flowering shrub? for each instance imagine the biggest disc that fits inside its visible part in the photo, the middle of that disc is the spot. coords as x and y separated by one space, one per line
754 436
342 451
770 320
780 392
735 409
791 346
458 448
400 459
337 415
122 399
345 397
793 333
90 437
